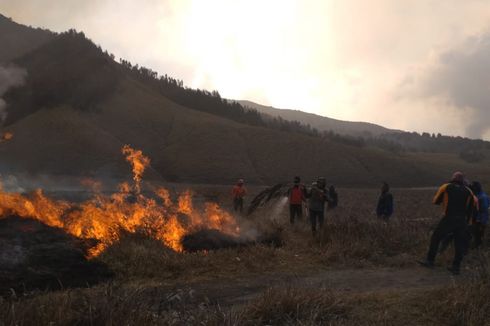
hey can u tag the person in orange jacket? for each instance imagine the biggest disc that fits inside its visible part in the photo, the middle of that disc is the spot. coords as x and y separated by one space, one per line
238 193
296 196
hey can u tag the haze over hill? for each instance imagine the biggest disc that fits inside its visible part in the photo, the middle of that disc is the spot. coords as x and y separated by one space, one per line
78 107
321 123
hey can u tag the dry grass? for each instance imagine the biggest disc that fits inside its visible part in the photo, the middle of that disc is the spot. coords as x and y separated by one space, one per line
352 237
146 305
138 257
148 291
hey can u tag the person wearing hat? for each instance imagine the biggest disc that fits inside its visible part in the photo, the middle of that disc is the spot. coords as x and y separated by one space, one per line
238 193
296 197
317 196
457 201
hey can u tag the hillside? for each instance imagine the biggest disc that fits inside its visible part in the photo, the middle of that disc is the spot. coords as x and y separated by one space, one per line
79 107
321 123
368 134
17 39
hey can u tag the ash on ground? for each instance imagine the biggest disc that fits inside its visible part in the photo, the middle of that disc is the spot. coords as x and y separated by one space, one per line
209 239
34 256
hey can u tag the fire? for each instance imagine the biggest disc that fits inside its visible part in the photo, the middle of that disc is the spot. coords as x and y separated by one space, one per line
103 217
138 161
6 136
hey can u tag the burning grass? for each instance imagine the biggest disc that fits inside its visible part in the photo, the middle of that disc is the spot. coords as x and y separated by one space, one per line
104 217
149 287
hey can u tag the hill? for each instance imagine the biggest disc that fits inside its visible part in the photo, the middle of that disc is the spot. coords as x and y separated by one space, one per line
79 107
17 39
319 122
367 134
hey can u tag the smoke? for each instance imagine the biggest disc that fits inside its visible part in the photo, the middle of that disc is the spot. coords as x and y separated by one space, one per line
459 80
10 76
278 208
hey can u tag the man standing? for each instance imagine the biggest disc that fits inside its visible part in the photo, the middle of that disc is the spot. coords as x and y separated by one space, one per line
480 219
317 198
384 209
458 203
238 193
296 195
334 197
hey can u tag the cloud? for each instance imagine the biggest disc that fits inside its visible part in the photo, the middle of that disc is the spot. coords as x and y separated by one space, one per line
459 80
335 58
10 76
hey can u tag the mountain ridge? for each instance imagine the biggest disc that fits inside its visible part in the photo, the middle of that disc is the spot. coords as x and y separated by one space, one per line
67 130
322 123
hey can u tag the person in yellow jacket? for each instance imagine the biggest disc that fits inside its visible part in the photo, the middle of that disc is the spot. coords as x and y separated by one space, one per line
457 201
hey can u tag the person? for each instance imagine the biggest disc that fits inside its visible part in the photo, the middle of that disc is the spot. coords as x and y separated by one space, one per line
317 198
480 217
334 197
458 203
296 196
384 209
238 193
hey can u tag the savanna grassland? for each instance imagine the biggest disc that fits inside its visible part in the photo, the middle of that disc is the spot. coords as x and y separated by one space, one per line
357 270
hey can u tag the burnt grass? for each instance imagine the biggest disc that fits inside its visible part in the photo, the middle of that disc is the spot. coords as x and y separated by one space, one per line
146 288
34 256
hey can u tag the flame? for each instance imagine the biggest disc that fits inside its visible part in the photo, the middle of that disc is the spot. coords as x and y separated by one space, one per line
138 161
6 136
103 217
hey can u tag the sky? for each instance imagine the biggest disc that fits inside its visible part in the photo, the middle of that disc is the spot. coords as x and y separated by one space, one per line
417 65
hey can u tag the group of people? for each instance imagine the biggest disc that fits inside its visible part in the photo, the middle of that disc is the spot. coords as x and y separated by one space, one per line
465 212
318 197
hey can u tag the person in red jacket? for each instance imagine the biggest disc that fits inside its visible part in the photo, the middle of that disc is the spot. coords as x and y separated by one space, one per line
238 193
296 195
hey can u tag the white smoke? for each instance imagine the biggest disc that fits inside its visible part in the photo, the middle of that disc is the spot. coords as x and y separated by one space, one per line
10 76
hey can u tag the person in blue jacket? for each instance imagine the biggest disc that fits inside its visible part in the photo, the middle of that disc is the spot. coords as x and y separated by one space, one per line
384 209
480 218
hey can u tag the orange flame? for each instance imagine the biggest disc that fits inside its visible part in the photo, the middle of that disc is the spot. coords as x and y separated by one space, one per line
138 161
6 136
103 217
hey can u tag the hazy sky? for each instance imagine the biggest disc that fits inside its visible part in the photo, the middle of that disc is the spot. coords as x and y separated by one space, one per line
419 65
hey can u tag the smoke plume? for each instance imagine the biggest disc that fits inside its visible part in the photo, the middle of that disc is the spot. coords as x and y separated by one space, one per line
459 78
10 76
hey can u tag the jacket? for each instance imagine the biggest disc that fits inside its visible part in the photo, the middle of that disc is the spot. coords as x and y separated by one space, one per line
296 194
385 205
317 199
483 205
238 191
456 199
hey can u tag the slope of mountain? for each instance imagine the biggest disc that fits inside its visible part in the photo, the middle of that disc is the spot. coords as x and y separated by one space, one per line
17 40
79 107
349 128
68 70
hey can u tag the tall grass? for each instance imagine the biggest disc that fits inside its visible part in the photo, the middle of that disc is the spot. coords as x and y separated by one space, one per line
149 290
467 304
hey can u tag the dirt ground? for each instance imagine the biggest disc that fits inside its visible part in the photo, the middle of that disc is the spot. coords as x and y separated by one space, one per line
240 291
